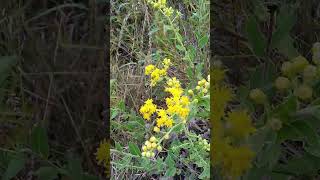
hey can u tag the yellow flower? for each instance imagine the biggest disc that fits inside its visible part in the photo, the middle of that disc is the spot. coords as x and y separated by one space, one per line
102 154
236 161
163 119
185 101
148 109
240 125
149 69
166 62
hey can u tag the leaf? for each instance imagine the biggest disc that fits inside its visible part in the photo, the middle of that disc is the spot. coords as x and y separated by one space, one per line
39 141
205 173
178 128
311 136
171 172
192 52
203 41
6 62
310 165
14 167
47 173
256 39
286 109
286 47
180 48
74 167
134 149
285 21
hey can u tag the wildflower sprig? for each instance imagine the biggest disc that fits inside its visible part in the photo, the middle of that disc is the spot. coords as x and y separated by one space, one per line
230 153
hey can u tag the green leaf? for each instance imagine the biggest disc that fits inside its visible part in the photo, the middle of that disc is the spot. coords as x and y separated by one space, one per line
75 168
203 41
14 167
255 37
171 172
305 165
178 128
47 173
205 173
285 21
286 47
6 63
39 141
285 110
180 48
134 149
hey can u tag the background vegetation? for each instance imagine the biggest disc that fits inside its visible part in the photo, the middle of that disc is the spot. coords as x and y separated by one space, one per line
52 69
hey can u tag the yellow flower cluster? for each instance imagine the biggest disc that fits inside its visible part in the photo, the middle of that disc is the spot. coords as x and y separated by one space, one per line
203 86
156 74
229 130
236 160
296 68
103 154
177 103
148 109
149 147
162 5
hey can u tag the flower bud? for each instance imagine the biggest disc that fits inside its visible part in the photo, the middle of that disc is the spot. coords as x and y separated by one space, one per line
275 124
153 139
198 88
204 91
282 83
166 136
148 154
144 148
299 63
195 101
309 73
190 92
286 69
159 148
153 145
156 129
303 92
143 154
257 96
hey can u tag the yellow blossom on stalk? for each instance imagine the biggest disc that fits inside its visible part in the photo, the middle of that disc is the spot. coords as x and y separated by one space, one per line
240 124
102 154
149 69
236 161
148 109
163 119
156 75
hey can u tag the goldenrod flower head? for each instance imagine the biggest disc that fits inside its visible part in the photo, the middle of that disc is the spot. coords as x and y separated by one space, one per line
163 119
240 125
236 161
149 69
148 109
184 101
102 154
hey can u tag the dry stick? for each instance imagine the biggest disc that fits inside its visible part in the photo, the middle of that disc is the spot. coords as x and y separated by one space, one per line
78 134
47 100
